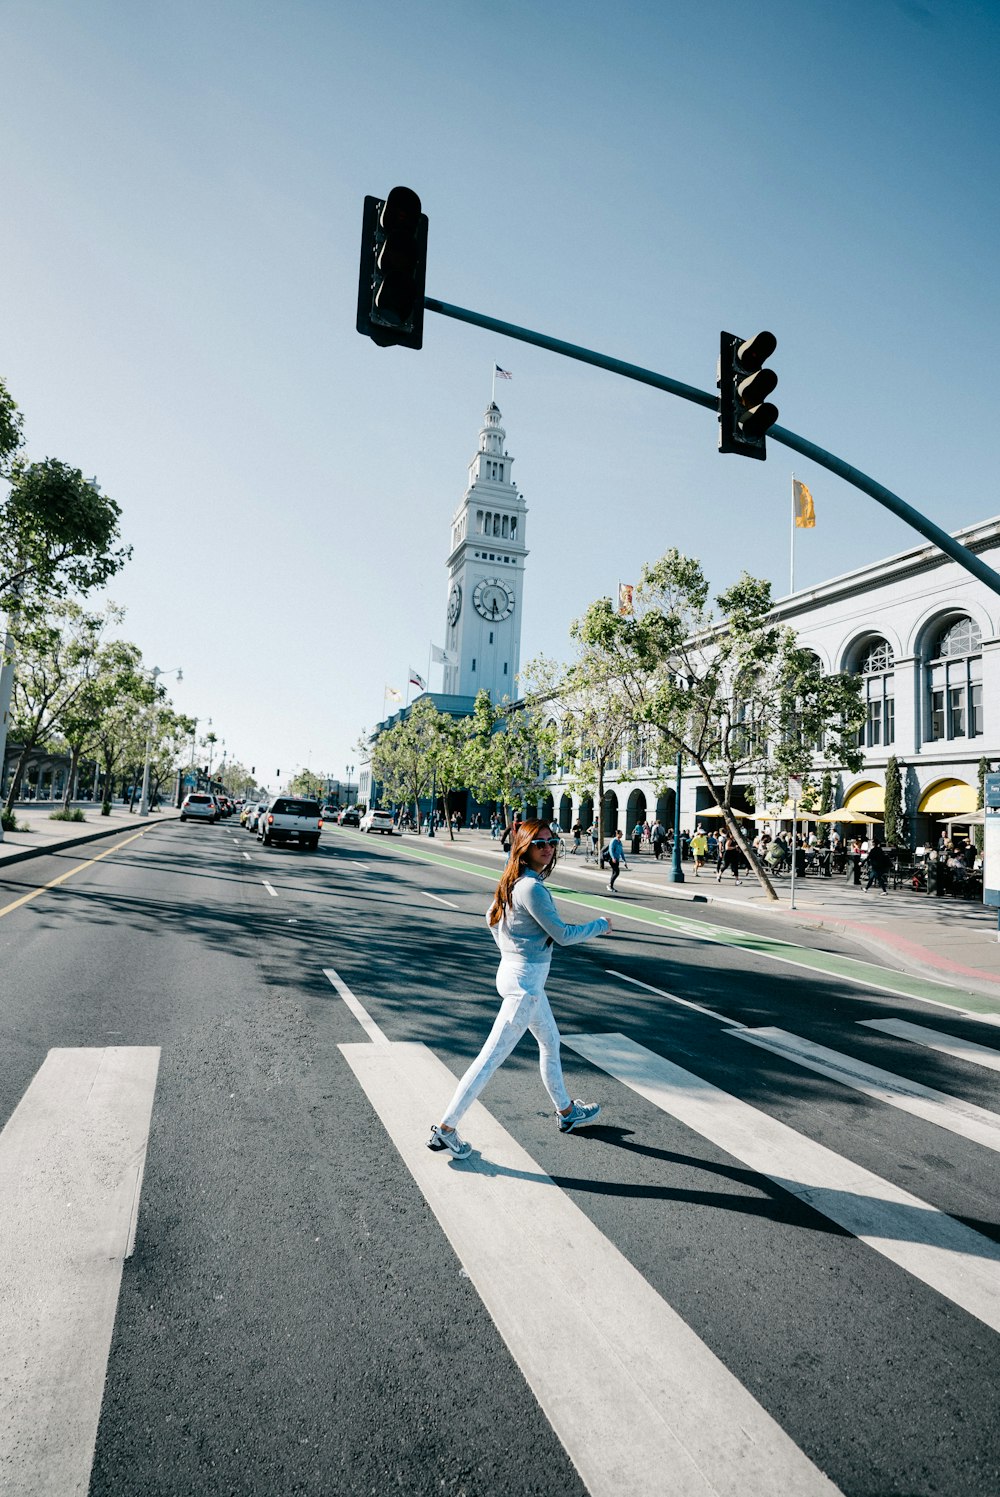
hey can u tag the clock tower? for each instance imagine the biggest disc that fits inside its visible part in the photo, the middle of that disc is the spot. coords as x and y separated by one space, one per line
486 573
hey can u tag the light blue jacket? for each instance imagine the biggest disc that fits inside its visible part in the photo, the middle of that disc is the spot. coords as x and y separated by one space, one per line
531 924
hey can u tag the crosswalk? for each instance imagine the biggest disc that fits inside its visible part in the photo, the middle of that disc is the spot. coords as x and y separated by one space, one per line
654 1410
641 1401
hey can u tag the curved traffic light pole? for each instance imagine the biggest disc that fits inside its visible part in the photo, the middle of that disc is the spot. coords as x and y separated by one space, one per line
877 491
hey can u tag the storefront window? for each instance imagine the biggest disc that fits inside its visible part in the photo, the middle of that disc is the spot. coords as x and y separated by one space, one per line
876 666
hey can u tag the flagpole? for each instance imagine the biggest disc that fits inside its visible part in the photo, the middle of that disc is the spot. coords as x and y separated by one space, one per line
493 391
791 564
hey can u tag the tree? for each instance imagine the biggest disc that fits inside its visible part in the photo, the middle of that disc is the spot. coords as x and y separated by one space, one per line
893 803
978 835
58 533
401 757
598 718
56 660
732 691
10 429
119 737
509 750
115 672
825 804
305 783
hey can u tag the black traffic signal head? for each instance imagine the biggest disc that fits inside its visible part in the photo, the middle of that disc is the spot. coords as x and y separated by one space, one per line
745 413
393 269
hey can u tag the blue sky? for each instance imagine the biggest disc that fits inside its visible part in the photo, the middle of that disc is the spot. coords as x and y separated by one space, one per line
182 190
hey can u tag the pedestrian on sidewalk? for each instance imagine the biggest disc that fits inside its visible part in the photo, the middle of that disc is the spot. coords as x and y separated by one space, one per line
657 837
878 867
699 847
524 923
616 857
576 832
730 857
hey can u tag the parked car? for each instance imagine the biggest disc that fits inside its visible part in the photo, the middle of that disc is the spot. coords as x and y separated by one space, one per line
199 807
288 819
378 821
349 818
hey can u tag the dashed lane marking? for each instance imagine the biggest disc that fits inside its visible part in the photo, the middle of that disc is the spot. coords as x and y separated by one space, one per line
428 895
270 889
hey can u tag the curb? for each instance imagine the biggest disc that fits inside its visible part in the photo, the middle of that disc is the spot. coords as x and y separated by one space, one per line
69 842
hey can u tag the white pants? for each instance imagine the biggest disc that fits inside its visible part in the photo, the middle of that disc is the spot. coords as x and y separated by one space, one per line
524 1006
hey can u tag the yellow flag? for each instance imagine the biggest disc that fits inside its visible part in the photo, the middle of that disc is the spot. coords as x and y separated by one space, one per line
625 590
805 513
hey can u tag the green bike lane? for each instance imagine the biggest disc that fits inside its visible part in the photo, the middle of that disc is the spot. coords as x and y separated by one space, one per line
779 949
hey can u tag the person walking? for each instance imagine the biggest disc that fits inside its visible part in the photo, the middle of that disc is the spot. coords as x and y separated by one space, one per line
616 857
878 867
657 837
524 923
730 858
576 832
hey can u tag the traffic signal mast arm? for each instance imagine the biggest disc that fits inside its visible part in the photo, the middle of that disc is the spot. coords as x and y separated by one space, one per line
899 507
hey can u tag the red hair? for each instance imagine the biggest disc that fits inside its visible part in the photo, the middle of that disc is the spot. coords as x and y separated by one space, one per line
516 865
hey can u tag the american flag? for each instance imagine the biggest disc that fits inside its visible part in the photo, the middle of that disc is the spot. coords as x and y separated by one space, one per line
502 373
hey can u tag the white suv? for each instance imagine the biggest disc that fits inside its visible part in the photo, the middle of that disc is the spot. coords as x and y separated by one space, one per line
378 821
199 807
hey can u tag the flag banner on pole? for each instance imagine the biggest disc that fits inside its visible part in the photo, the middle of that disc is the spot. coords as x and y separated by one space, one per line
502 373
441 657
805 512
625 591
416 679
393 694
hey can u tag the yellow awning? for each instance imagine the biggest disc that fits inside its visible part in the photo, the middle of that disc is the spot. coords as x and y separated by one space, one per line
866 797
948 798
784 813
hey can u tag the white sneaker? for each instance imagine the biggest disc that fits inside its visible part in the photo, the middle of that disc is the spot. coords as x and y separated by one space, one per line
439 1139
583 1113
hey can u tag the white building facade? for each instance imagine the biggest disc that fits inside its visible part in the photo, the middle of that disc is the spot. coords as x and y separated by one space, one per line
924 635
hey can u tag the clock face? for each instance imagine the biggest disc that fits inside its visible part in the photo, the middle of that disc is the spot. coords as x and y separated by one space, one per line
493 599
454 604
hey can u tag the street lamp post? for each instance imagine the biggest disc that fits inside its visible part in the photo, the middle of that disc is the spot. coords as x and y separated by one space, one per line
157 673
676 874
347 798
434 799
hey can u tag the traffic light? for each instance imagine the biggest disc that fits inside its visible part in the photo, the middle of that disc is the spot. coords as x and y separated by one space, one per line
745 414
393 270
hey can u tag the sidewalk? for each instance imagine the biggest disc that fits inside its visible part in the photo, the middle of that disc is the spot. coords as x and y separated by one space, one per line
44 835
954 940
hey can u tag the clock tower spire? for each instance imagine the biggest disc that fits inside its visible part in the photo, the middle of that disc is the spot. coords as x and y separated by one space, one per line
486 573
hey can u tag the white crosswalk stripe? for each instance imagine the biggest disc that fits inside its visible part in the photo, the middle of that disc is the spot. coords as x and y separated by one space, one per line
977 1124
640 1403
933 1039
959 1263
71 1167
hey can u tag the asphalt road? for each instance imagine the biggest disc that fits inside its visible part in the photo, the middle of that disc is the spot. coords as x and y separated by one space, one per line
295 1318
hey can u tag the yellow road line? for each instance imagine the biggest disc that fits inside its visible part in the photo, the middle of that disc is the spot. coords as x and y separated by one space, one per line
70 873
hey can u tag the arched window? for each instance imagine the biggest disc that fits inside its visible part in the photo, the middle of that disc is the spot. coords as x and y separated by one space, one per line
876 665
954 702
